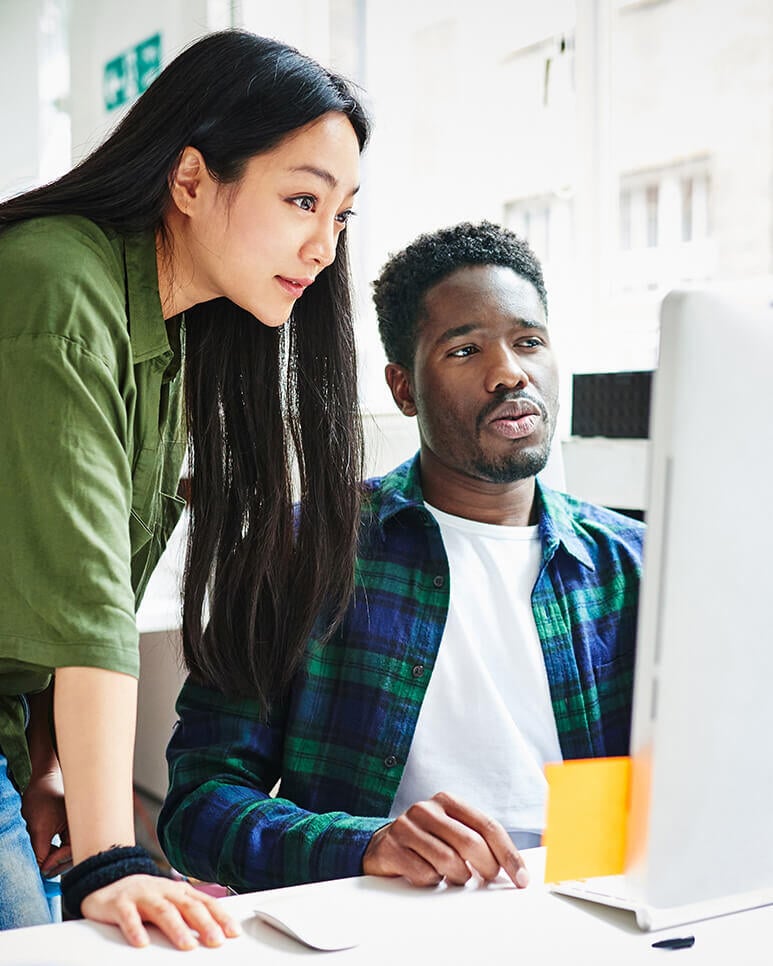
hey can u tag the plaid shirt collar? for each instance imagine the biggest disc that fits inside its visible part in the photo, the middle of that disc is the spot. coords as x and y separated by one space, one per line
401 491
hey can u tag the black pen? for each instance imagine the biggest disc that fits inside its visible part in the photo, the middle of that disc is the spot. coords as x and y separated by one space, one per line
678 942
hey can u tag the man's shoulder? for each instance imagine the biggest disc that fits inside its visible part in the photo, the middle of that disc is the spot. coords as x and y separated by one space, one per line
592 512
594 525
397 489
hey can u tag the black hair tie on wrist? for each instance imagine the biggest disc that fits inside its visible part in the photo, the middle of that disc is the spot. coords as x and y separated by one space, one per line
101 870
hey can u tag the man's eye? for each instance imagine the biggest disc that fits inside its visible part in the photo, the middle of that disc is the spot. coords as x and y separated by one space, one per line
462 352
532 343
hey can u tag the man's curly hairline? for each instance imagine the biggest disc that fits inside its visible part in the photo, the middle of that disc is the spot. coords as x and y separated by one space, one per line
399 291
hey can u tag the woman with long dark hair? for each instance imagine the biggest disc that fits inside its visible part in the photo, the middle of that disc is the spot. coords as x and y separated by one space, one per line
193 265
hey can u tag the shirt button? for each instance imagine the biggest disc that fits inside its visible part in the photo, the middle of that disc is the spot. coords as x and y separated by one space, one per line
390 761
438 581
417 670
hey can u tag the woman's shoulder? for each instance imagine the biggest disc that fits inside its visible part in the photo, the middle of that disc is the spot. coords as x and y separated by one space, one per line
57 243
60 275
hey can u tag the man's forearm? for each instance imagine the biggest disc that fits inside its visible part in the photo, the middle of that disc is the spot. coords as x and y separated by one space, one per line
39 732
237 836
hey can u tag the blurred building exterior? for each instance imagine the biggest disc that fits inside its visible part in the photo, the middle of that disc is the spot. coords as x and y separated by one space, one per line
631 141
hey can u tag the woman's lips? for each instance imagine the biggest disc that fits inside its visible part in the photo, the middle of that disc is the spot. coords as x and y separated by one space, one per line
294 286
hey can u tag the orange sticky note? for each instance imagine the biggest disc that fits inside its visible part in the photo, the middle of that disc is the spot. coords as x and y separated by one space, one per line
587 815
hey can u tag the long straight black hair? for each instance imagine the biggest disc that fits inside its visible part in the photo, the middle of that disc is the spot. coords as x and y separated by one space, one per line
263 405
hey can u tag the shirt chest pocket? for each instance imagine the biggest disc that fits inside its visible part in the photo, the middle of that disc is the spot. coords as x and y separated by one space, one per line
143 519
155 511
153 516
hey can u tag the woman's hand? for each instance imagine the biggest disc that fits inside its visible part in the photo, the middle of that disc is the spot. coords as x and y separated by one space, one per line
43 810
175 907
95 712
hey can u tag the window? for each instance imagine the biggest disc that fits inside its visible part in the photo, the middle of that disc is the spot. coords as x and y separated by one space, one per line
651 196
664 227
625 218
695 206
546 222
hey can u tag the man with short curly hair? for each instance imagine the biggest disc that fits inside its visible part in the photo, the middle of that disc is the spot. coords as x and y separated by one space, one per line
492 629
398 292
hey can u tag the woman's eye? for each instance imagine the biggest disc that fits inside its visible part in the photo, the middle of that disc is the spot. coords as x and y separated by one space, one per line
343 216
304 202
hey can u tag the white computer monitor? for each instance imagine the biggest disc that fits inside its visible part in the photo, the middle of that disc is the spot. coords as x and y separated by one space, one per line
701 820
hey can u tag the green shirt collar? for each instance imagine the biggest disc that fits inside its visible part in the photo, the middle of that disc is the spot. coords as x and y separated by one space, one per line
147 328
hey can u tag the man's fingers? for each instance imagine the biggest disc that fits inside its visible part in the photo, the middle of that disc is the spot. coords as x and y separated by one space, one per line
447 836
499 849
385 855
417 870
40 834
425 830
58 859
416 846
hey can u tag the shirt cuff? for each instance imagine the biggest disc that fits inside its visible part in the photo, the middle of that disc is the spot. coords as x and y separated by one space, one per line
338 852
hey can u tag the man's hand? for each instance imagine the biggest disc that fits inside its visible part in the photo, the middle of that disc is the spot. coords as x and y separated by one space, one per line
442 838
43 810
175 907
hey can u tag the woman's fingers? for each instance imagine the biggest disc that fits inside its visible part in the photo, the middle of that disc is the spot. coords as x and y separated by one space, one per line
166 914
217 910
176 908
130 923
202 919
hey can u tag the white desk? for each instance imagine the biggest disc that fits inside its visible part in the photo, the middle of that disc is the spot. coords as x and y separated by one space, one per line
401 926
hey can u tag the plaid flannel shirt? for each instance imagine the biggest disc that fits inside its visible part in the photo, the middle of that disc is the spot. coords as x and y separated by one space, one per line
340 741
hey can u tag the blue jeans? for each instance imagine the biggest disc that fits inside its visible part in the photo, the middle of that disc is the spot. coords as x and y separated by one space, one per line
24 894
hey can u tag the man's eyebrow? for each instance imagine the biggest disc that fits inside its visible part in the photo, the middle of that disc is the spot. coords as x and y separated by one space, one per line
467 328
322 173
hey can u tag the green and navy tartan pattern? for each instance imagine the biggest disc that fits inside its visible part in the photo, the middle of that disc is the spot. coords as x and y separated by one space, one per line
340 741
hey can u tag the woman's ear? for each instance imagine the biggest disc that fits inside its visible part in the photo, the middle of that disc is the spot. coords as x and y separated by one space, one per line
188 179
399 381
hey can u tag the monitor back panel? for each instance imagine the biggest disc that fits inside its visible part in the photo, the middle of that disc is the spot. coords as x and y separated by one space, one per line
702 742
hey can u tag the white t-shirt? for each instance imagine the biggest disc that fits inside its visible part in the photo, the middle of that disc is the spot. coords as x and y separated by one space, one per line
486 726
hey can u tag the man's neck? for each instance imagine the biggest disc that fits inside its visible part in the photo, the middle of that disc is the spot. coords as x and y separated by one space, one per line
505 504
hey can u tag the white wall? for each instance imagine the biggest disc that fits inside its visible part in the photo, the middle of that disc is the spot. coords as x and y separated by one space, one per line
99 32
21 108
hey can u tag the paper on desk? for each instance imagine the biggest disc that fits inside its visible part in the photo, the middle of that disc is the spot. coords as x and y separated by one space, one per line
587 813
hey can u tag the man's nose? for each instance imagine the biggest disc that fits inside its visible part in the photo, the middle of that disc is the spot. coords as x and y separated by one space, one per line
505 370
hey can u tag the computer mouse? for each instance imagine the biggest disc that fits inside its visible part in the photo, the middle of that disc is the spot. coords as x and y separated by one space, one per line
317 926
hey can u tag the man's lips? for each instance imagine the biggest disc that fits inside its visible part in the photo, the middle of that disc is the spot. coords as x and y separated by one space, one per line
294 286
514 419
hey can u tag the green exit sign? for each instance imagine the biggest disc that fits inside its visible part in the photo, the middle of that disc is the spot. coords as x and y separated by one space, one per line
131 72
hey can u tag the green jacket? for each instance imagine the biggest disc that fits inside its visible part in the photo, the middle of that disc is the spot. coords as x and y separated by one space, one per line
90 452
